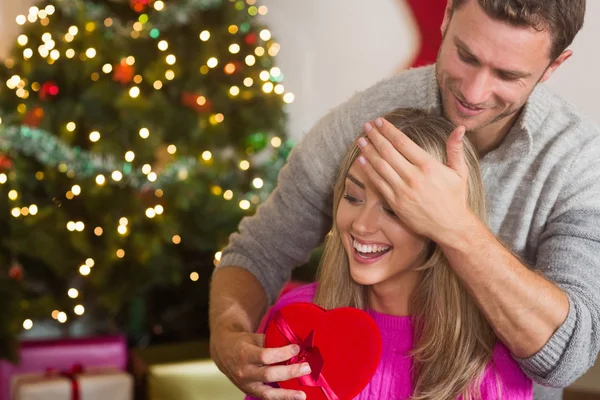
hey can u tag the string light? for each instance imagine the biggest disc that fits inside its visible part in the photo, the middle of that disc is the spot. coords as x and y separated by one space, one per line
79 226
250 60
159 5
218 255
79 309
22 40
98 231
264 75
3 178
117 176
259 51
234 48
275 142
257 183
265 34
73 293
244 165
234 90
90 53
130 60
288 98
248 82
159 209
13 195
150 213
134 92
144 133
84 270
146 169
33 209
204 36
122 229
157 85
70 53
263 10
129 156
71 126
170 75
152 176
95 136
62 317
228 195
15 212
27 53
120 253
267 87
100 179
212 62
21 20
206 156
244 204
171 59
163 45
176 239
76 189
279 89
107 68
194 276
172 149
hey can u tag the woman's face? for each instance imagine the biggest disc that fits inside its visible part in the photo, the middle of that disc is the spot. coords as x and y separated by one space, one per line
381 250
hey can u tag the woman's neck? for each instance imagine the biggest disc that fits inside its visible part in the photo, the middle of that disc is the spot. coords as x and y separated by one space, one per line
393 296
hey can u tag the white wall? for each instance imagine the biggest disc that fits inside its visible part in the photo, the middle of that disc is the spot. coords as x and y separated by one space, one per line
330 49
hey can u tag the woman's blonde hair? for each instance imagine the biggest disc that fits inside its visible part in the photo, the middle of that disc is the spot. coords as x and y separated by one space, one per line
453 341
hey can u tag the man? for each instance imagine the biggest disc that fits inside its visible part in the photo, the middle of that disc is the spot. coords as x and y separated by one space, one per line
541 167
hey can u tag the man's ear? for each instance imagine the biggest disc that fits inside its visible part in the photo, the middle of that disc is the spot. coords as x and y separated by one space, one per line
564 56
447 16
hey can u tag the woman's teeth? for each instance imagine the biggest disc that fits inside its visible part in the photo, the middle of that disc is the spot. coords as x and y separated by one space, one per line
368 248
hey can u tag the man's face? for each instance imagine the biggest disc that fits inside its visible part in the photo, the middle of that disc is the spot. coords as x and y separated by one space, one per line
486 69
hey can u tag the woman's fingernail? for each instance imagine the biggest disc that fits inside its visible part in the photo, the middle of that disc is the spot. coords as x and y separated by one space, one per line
368 126
362 142
379 122
295 350
362 160
299 396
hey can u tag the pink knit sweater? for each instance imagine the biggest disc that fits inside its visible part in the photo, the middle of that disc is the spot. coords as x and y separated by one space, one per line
392 378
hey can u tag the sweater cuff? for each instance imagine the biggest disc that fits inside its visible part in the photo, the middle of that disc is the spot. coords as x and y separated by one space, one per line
238 260
545 361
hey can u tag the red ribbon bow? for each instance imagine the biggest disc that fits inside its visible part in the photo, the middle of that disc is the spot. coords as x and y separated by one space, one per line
70 374
309 353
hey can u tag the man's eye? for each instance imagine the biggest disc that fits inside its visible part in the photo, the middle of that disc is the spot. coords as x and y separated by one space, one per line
466 59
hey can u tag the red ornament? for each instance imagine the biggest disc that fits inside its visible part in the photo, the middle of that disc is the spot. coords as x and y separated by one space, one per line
5 162
123 73
138 5
196 102
16 272
342 346
49 90
34 117
251 38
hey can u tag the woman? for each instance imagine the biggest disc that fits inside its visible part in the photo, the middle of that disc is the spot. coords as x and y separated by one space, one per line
436 342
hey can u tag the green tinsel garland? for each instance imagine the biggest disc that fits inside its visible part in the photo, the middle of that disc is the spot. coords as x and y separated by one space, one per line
50 151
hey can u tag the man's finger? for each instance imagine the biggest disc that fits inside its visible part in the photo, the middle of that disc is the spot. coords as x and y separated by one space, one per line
409 149
455 152
386 150
266 392
274 355
280 373
381 182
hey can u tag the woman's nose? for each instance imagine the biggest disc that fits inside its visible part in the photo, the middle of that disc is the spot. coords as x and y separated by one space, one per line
366 221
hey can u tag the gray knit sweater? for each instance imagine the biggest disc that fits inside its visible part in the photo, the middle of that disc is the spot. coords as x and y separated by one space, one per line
543 194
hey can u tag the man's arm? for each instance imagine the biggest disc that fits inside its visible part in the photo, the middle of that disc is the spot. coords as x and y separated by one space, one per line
554 327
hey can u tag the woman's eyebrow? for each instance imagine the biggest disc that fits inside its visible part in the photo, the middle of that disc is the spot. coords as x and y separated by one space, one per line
355 181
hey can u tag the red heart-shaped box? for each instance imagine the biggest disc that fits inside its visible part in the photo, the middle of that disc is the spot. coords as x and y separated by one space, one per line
348 340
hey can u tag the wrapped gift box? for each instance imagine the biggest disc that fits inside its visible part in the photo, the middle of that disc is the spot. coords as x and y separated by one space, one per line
95 384
38 356
180 371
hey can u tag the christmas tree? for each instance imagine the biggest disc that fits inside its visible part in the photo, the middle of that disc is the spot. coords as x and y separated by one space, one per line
135 135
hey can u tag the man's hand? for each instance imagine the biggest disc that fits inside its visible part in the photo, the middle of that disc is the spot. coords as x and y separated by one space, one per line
242 357
429 197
